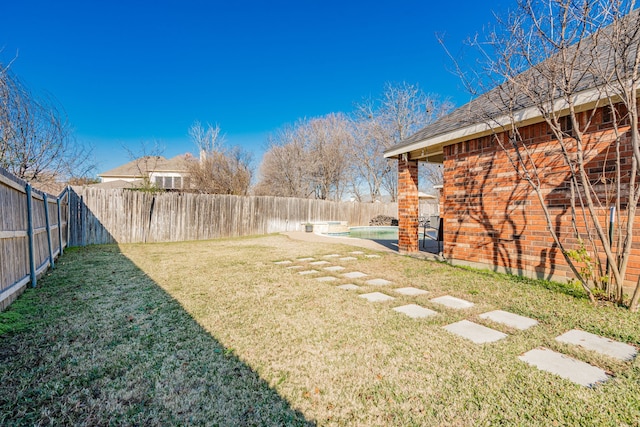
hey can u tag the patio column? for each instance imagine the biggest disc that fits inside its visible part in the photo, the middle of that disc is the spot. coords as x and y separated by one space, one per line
408 205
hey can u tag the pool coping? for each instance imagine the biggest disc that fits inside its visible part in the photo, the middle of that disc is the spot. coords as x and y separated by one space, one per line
390 247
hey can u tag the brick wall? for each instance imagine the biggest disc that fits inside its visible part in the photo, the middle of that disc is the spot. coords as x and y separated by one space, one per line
493 218
408 206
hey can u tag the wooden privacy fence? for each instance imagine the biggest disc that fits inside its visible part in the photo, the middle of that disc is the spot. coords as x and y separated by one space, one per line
123 216
33 232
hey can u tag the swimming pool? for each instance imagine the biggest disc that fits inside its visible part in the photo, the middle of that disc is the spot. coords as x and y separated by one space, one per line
376 232
380 232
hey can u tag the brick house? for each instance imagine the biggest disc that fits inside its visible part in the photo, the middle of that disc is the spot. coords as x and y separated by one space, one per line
491 218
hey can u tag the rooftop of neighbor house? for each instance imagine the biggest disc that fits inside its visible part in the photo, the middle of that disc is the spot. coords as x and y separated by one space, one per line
146 165
119 183
489 110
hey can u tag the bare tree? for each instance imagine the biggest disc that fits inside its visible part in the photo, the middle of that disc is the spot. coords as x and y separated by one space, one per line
402 110
208 140
328 140
308 159
369 165
326 156
431 173
218 170
549 55
83 181
36 141
284 170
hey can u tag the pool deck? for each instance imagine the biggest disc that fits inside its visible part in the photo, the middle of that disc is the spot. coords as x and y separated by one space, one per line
430 251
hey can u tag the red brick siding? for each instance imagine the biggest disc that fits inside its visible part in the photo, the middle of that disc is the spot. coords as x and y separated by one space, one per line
408 206
493 217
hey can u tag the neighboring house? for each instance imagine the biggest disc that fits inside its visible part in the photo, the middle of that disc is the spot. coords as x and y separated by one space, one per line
169 174
492 218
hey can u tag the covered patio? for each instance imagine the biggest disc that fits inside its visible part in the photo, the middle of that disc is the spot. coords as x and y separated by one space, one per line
410 223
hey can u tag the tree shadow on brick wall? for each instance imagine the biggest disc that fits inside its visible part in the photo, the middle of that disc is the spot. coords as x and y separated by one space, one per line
490 195
601 171
502 230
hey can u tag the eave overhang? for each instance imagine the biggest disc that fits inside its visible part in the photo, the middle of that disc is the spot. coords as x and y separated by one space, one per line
430 149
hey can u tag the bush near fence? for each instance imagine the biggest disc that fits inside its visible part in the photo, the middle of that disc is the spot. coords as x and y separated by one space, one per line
123 216
33 232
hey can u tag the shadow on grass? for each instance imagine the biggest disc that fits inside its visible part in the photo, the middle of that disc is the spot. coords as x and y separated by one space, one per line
100 343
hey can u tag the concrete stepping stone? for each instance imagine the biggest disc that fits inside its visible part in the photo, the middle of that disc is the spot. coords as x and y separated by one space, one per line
285 262
378 282
307 272
472 331
356 252
334 268
331 256
376 297
510 319
452 302
411 291
349 287
372 256
415 311
348 258
305 259
564 366
319 263
326 279
294 267
602 345
354 275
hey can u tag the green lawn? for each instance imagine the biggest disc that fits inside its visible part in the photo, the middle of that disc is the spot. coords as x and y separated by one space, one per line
214 333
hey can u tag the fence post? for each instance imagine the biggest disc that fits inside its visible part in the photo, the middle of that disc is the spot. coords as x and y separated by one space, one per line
82 239
48 225
32 257
59 225
68 215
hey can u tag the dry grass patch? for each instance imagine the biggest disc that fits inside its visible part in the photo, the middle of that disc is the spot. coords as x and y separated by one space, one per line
304 349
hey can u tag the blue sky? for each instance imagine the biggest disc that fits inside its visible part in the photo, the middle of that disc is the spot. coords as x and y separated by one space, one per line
128 72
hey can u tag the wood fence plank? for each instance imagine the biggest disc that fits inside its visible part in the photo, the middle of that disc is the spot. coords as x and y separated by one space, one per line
126 216
17 228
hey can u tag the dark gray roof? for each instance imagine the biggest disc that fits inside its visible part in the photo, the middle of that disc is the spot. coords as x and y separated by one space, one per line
593 56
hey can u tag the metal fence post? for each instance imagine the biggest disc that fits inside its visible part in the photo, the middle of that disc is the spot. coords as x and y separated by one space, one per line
59 226
68 215
82 237
32 257
48 225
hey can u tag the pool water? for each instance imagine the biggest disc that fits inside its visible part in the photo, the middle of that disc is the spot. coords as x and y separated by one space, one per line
375 233
380 233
